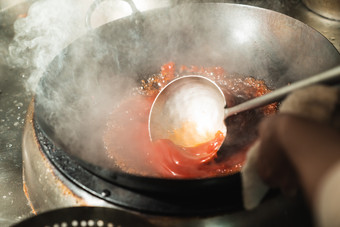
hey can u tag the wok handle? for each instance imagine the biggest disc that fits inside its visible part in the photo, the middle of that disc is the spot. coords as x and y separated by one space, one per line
331 75
94 6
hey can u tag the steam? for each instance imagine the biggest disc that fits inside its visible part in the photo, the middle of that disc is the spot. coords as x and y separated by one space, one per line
76 91
74 86
75 105
98 68
49 26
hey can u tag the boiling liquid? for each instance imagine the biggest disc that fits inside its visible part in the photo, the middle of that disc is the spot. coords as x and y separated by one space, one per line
128 144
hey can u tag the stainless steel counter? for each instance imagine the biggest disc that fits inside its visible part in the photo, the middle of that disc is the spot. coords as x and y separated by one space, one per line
13 105
14 101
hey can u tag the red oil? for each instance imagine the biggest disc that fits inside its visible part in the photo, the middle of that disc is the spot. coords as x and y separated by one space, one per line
127 140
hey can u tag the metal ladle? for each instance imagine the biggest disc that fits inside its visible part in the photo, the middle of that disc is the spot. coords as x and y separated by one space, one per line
191 109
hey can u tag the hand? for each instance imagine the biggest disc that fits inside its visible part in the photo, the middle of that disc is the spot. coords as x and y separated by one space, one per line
295 152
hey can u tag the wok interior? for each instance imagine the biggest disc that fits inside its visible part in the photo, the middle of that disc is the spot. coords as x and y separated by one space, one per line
97 71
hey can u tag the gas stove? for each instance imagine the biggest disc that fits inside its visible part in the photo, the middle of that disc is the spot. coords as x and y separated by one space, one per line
14 106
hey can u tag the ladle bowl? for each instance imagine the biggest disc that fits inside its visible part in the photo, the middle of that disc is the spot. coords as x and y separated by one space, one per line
190 110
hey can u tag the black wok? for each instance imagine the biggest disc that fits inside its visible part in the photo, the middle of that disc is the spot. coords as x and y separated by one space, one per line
245 40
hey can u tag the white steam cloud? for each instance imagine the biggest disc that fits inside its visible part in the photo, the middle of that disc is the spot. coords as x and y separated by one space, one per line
72 105
50 26
79 91
101 66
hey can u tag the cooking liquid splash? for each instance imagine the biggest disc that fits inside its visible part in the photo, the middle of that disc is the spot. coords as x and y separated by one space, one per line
127 139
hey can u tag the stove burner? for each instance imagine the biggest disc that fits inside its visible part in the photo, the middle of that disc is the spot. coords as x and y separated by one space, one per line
85 216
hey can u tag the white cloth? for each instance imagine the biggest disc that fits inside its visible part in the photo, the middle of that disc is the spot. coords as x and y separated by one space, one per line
253 187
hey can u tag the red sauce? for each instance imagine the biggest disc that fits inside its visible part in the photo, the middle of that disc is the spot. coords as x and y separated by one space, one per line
127 139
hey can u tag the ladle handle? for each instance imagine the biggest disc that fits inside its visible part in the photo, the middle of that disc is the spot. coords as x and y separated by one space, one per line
276 95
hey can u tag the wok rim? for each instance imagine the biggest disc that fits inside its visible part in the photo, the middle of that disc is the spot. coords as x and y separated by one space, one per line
89 166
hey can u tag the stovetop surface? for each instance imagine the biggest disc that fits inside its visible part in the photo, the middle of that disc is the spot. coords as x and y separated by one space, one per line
14 101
